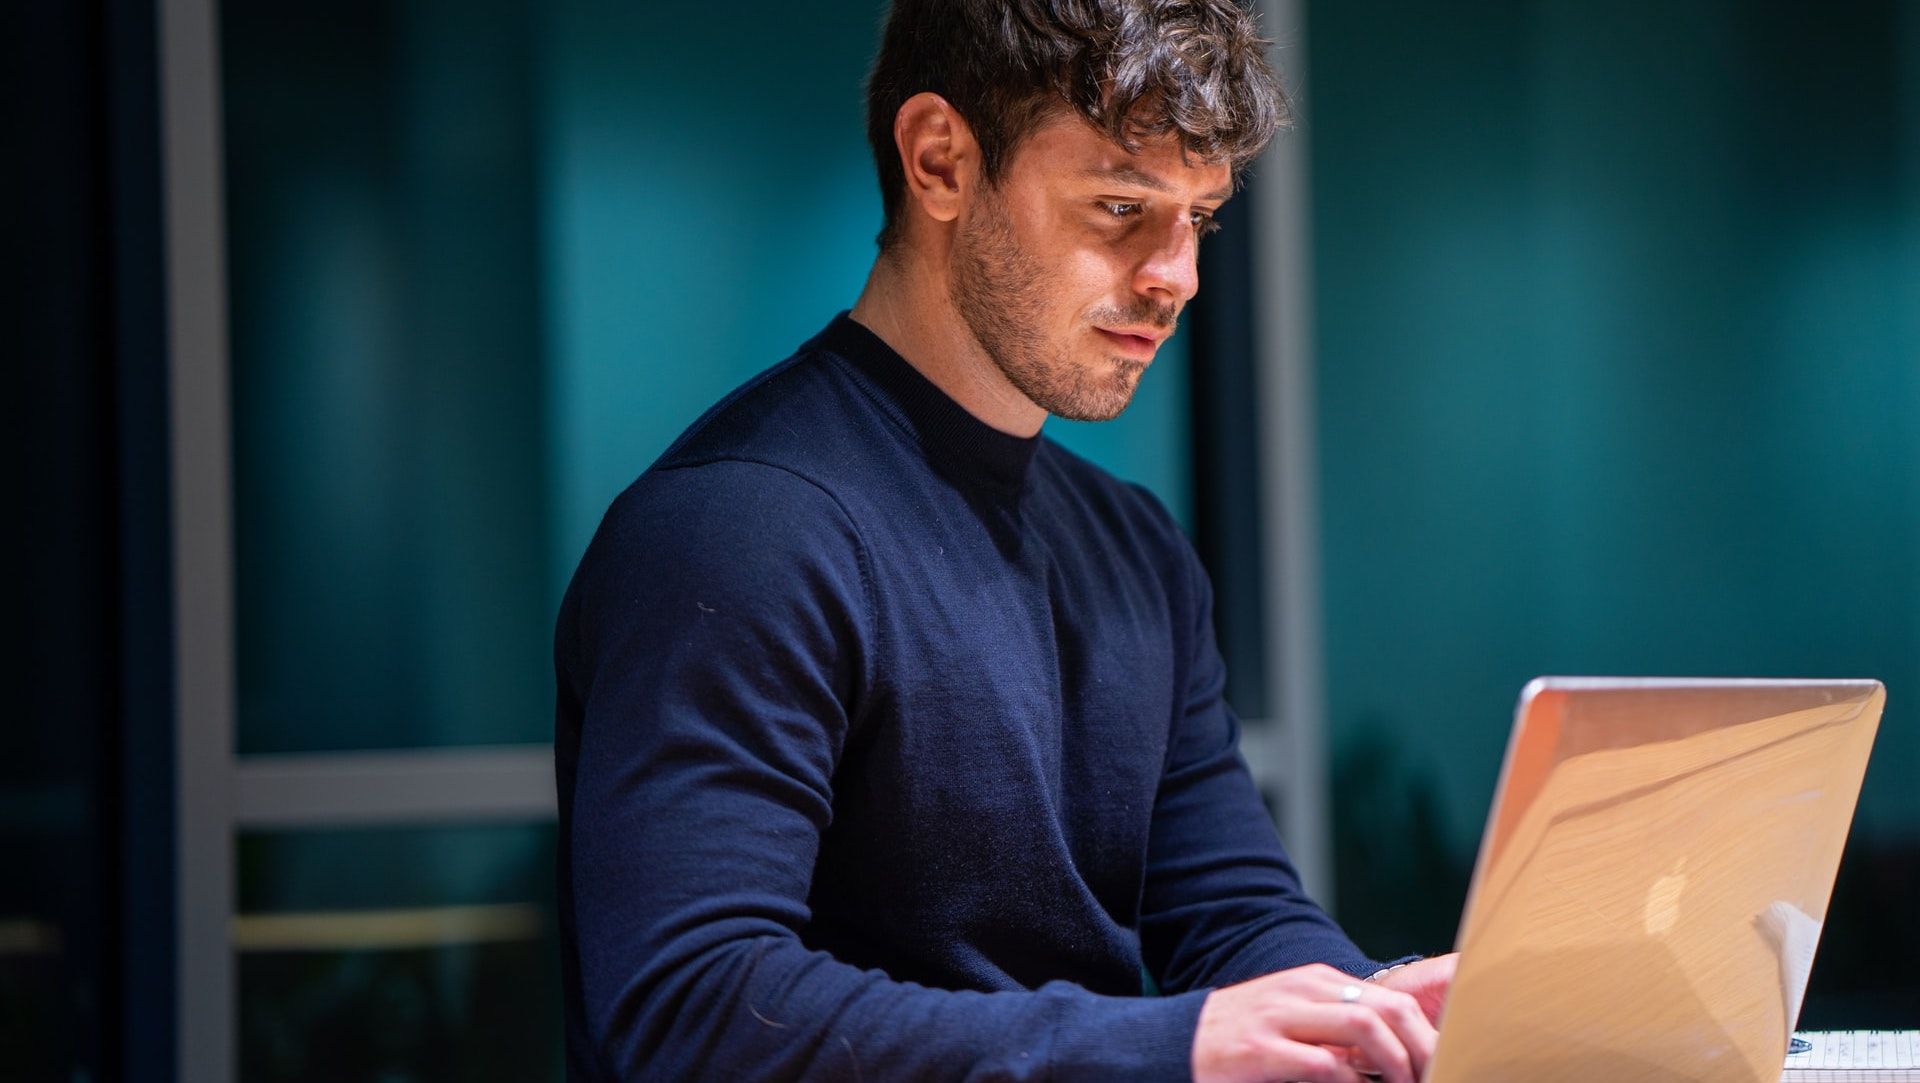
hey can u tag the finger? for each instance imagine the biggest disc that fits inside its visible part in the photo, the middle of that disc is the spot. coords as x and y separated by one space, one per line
1433 999
1409 1021
1401 1012
1303 1062
1356 1026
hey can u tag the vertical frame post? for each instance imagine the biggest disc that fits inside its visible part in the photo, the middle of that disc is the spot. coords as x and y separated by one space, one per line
201 463
1283 335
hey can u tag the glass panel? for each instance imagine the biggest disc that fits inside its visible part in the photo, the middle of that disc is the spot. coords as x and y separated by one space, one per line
390 502
398 955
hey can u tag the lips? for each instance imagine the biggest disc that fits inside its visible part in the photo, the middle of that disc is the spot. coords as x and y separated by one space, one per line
1137 344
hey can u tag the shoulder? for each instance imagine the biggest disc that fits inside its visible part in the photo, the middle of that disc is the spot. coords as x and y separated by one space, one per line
743 516
805 414
749 494
744 551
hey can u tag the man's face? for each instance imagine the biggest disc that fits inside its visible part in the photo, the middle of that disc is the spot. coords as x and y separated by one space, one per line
1073 269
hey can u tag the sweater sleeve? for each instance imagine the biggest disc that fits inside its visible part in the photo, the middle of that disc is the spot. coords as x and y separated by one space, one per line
717 639
1222 902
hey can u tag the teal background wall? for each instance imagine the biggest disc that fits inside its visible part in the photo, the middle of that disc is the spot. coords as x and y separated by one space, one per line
389 457
1619 373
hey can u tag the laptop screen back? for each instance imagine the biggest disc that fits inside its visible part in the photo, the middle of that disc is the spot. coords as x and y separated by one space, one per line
1653 879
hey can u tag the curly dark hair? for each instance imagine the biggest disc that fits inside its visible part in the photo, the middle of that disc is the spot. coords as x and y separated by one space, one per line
1135 69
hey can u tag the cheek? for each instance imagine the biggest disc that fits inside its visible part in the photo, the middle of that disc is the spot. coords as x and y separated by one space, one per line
1074 273
1092 278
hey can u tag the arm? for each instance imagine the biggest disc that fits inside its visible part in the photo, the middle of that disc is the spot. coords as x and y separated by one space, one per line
1222 902
718 641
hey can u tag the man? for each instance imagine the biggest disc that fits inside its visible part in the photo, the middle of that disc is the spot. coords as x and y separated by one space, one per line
890 735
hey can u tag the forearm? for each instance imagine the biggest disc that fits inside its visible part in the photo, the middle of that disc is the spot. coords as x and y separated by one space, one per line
770 1009
688 918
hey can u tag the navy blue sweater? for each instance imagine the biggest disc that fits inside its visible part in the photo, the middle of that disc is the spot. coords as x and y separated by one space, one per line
892 746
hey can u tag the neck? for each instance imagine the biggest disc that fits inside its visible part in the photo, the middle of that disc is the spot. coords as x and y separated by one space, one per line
907 303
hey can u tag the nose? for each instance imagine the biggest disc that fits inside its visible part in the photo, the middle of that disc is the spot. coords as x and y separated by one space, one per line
1169 271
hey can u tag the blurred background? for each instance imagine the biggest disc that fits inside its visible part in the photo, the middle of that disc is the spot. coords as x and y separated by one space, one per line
1561 337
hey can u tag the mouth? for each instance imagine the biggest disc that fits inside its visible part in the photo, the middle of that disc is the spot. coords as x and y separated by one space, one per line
1137 343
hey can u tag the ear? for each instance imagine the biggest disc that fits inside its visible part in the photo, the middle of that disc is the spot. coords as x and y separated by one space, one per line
938 154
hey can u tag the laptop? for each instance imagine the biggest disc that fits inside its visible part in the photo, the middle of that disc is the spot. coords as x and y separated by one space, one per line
1653 879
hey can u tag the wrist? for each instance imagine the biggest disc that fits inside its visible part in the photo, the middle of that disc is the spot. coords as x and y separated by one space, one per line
1376 975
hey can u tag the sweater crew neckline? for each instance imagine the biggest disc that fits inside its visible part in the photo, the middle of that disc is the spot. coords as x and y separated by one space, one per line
942 426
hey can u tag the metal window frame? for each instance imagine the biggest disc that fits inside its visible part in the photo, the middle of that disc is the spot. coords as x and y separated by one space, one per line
216 792
1292 755
201 466
394 788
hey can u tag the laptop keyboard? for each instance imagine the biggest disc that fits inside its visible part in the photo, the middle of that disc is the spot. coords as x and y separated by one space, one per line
1856 1056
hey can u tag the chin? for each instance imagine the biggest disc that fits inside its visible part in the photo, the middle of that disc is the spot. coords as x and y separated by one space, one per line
1101 398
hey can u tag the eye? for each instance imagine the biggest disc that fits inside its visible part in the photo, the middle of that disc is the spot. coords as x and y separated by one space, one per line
1120 210
1203 223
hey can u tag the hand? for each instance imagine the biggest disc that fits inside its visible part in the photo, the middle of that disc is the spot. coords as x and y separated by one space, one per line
1427 981
1310 1024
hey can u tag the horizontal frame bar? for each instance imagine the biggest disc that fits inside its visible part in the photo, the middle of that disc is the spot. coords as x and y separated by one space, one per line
396 788
405 929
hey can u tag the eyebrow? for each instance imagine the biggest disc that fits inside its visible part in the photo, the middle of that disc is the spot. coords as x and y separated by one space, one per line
1126 174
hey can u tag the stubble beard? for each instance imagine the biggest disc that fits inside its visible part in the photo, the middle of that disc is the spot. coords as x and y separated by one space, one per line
998 289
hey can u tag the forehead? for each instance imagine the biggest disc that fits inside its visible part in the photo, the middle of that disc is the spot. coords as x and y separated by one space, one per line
1065 149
